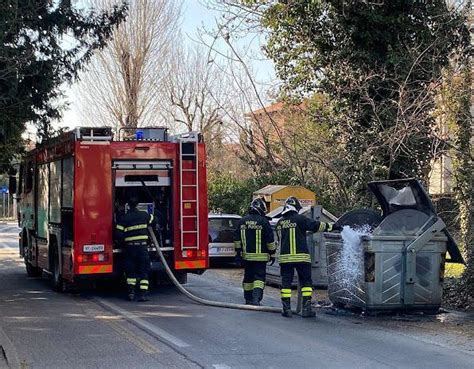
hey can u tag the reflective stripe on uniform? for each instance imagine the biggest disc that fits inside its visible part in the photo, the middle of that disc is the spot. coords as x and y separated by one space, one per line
131 281
285 293
120 228
135 227
136 238
330 225
259 284
237 244
292 241
144 284
307 291
256 257
271 246
258 241
322 226
151 218
244 240
247 286
297 258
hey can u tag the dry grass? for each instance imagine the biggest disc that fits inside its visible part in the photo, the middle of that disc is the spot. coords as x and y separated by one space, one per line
454 270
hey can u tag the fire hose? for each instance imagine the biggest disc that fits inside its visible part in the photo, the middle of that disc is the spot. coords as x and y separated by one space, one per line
200 300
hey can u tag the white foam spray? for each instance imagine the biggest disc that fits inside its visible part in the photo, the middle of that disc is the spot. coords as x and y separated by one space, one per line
352 256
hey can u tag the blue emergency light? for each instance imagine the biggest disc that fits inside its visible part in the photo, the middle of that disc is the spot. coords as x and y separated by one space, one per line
139 135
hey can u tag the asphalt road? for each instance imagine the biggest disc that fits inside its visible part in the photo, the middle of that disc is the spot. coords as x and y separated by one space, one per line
97 329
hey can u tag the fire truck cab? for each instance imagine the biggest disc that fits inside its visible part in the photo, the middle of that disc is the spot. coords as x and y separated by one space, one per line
73 188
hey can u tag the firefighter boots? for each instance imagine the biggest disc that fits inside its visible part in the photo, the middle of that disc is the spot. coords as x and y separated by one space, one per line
248 297
257 295
131 284
286 312
142 296
308 311
131 292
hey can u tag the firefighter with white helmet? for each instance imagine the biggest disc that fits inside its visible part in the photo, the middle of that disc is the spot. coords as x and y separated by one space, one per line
254 244
294 253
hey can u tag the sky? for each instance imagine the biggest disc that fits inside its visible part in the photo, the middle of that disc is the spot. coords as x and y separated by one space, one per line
195 16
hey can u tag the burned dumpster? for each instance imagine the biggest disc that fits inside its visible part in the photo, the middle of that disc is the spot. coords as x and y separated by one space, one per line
394 260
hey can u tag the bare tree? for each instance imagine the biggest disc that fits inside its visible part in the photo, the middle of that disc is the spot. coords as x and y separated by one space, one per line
122 85
193 93
195 97
262 141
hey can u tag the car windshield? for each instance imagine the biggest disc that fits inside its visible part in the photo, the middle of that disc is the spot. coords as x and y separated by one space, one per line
222 229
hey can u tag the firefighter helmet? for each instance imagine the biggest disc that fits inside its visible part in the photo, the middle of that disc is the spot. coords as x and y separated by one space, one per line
292 204
258 205
133 202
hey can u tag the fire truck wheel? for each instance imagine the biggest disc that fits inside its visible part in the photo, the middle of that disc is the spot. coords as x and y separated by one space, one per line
181 277
59 284
33 271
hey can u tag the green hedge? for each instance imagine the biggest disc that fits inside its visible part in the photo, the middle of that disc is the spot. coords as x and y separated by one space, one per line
233 195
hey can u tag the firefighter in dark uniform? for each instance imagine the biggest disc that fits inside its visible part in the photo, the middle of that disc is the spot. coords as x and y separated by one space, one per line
254 244
294 254
133 231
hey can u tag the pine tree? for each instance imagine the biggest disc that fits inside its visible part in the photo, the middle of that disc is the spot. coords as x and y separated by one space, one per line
43 44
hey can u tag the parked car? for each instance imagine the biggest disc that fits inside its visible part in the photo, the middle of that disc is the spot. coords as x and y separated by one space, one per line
221 236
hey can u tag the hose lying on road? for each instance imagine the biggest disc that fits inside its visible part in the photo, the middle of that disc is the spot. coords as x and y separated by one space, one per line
200 300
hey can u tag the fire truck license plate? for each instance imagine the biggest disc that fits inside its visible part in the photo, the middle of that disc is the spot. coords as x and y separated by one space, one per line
93 248
220 250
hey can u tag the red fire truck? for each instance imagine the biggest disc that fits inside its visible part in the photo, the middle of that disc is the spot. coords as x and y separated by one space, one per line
72 188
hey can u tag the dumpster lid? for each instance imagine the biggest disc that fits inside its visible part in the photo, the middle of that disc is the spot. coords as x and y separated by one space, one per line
404 222
401 194
359 218
455 255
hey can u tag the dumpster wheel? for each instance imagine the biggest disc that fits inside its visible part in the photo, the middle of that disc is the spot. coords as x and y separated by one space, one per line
200 300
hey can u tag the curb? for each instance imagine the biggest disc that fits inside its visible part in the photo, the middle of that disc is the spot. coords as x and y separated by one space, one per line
9 351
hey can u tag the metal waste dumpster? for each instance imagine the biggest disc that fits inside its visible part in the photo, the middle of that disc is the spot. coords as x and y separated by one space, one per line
397 262
316 248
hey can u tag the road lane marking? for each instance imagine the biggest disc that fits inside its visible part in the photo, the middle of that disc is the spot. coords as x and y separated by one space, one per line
141 343
221 366
139 322
117 324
